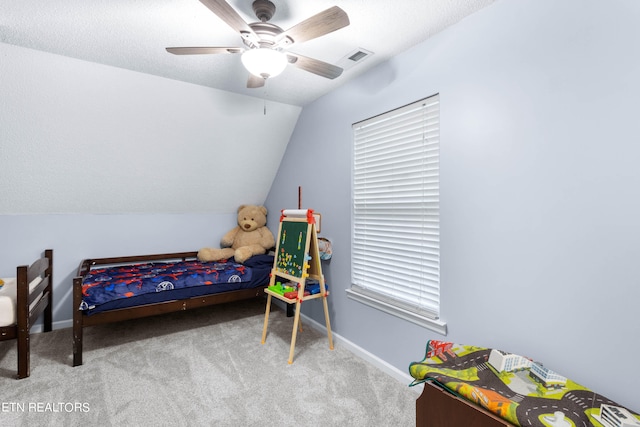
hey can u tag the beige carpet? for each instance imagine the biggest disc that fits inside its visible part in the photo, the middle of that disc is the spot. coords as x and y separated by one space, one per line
201 367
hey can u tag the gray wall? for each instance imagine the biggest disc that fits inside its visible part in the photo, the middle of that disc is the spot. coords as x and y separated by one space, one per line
80 137
539 187
79 236
98 161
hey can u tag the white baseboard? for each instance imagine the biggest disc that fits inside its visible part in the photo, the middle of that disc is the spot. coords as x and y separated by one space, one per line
384 366
36 329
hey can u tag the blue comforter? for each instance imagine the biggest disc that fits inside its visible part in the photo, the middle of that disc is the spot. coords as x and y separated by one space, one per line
104 285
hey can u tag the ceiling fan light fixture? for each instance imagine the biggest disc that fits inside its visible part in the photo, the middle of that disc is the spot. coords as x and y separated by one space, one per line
264 62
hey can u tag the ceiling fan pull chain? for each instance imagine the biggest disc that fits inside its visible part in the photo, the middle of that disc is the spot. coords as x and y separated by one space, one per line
265 99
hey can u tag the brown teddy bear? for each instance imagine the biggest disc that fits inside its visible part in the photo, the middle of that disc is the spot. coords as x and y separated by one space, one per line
250 237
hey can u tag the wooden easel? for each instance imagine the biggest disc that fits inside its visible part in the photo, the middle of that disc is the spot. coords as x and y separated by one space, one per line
297 258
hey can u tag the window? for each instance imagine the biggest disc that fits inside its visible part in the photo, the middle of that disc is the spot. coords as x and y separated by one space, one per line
395 213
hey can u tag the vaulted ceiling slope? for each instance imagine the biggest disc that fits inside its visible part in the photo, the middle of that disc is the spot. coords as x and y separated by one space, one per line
133 35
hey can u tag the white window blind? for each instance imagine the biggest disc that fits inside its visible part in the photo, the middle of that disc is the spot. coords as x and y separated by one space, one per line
395 213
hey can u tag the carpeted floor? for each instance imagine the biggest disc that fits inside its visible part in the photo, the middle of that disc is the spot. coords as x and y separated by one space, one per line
201 367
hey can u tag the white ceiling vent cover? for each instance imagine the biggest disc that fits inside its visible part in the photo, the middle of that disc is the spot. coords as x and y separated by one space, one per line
354 57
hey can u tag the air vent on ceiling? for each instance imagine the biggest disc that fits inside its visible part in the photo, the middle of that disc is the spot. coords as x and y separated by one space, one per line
358 56
354 57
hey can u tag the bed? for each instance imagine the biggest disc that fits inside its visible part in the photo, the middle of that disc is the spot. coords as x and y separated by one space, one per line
22 300
108 290
470 386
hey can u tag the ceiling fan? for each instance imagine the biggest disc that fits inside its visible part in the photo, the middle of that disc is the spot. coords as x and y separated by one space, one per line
264 54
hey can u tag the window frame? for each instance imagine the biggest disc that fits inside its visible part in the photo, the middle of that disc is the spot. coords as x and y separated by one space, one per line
406 190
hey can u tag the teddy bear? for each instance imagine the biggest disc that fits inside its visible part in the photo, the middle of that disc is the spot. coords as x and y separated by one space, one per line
250 237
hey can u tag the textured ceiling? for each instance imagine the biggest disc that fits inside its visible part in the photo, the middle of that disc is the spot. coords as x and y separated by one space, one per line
133 34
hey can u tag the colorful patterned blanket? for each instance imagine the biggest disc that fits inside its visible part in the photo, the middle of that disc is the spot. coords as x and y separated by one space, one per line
517 389
103 285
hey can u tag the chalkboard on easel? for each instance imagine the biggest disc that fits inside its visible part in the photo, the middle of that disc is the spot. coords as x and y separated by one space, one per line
297 259
292 247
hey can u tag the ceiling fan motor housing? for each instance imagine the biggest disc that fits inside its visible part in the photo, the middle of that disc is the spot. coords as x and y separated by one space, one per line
268 35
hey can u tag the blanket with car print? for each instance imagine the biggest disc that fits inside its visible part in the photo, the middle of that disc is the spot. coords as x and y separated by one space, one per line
516 388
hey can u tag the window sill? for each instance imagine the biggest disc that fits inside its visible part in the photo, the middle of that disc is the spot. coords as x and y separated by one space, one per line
426 322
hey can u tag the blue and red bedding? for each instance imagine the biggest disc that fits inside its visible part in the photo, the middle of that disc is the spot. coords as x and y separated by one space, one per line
130 285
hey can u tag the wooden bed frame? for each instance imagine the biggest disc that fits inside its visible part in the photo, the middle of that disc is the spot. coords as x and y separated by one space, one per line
81 320
438 407
25 315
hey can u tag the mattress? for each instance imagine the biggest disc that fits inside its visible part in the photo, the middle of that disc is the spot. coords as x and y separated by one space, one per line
8 296
180 283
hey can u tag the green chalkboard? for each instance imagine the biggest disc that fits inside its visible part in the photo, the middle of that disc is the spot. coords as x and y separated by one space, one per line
292 242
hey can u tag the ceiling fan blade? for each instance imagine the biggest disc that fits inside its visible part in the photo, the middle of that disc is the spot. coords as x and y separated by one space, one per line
228 14
318 25
314 66
203 50
254 81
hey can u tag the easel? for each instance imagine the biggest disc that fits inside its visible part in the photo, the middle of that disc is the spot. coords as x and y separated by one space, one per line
297 258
